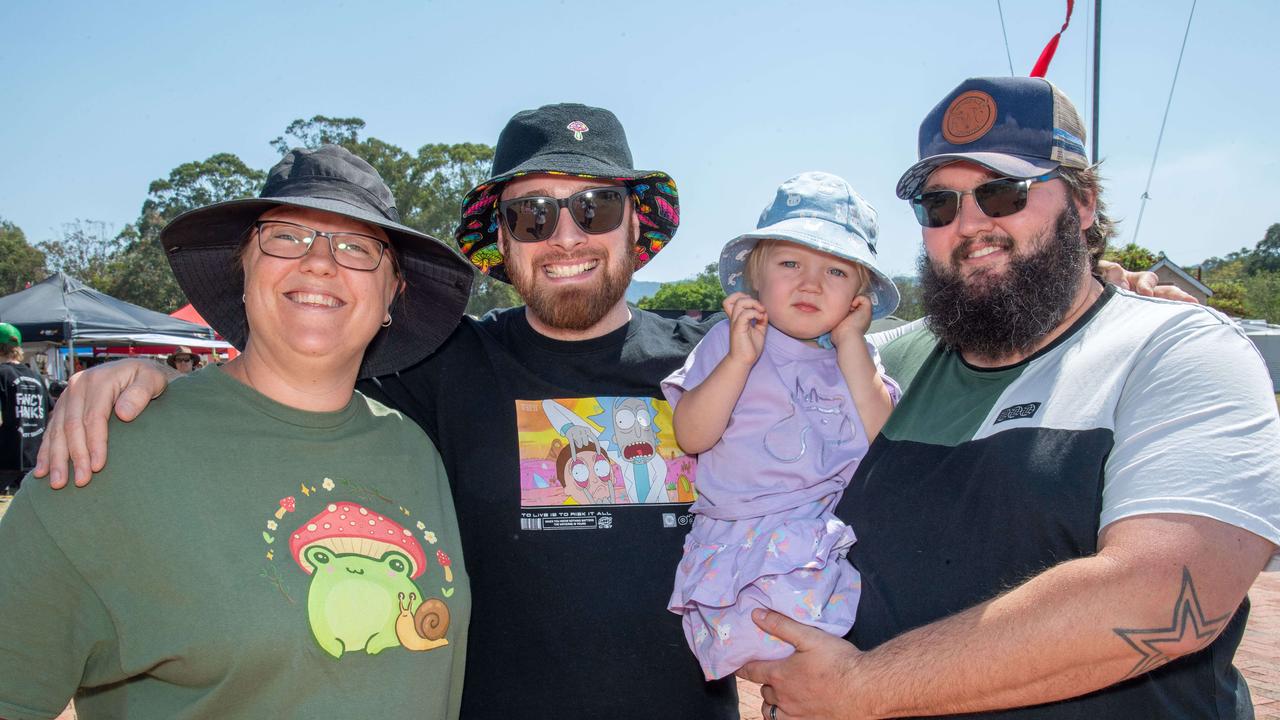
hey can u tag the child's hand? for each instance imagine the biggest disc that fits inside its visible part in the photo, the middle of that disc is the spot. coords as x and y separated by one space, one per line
854 326
747 323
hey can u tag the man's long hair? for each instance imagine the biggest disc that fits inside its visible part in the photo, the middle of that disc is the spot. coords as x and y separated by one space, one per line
1083 184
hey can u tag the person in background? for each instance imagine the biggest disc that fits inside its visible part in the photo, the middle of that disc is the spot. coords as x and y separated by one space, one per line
24 411
183 360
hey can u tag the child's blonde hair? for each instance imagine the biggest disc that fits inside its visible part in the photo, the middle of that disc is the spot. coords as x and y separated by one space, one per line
754 268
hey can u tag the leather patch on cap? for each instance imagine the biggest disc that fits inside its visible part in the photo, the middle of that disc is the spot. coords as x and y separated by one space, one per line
968 117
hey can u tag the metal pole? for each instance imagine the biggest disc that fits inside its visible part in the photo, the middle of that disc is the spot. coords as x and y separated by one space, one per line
1097 63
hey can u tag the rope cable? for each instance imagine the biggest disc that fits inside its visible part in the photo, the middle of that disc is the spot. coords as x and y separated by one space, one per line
1004 32
1151 174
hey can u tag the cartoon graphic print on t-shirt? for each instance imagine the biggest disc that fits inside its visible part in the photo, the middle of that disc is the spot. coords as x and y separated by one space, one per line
600 451
365 568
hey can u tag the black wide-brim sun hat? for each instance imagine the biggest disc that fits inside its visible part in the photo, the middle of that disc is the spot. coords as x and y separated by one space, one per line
201 245
575 141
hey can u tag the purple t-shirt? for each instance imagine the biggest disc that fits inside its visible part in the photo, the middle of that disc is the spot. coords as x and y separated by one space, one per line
794 435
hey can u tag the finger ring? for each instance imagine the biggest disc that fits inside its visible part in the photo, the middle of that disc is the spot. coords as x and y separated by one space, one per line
773 712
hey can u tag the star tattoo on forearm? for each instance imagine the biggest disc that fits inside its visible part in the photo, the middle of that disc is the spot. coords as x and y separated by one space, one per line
1188 622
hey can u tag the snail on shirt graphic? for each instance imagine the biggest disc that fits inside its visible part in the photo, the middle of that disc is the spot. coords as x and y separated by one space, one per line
362 595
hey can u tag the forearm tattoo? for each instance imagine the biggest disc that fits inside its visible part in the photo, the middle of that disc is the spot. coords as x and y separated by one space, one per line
1188 622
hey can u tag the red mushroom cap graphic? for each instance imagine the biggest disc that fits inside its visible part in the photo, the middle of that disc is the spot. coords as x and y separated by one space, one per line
578 127
286 505
347 528
444 563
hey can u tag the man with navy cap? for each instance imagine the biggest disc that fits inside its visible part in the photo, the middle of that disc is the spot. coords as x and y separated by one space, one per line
1064 513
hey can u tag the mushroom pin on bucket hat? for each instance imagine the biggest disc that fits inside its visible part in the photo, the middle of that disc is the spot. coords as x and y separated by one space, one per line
1019 127
202 244
820 211
576 141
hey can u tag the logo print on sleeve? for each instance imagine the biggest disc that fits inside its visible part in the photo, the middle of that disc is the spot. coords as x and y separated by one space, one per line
365 570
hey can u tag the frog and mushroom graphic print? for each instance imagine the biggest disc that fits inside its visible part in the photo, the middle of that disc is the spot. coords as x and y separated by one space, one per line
374 579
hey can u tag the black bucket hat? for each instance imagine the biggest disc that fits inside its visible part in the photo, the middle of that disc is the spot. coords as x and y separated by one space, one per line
201 245
577 141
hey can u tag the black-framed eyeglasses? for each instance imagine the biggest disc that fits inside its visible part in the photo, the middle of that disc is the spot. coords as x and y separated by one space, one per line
290 241
534 218
998 198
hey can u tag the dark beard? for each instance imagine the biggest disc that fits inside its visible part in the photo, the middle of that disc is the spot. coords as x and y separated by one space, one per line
576 309
1007 314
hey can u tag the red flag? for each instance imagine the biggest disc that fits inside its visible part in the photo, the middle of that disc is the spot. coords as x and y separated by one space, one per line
1046 55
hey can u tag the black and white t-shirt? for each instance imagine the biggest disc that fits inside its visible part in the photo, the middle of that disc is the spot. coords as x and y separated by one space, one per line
573 502
983 478
24 406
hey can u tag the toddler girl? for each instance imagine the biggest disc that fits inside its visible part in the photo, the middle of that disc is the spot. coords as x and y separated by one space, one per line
780 401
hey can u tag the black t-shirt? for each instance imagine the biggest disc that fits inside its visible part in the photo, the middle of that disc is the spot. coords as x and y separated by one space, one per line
24 405
570 573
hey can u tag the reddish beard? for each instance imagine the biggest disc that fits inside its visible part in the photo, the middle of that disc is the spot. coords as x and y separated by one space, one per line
574 308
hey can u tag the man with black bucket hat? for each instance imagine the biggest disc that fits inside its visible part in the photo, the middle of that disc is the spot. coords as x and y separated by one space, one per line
570 613
1079 485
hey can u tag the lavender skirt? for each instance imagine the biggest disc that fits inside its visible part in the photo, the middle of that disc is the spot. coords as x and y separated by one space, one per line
792 562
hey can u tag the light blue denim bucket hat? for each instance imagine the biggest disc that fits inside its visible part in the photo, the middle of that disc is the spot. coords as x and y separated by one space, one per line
821 211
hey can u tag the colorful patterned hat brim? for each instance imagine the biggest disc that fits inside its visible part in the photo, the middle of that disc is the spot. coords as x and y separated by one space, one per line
654 194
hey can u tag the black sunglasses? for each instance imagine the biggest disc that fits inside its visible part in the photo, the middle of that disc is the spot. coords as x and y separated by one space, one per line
533 218
999 198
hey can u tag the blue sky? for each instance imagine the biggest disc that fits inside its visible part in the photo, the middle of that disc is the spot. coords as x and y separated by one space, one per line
728 97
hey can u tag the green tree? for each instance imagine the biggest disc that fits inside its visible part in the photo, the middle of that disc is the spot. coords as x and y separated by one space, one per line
317 131
85 250
911 306
1230 297
428 185
1132 257
19 262
701 292
1263 292
140 272
489 294
1265 257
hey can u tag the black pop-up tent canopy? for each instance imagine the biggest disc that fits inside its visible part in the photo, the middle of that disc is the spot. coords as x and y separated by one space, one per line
64 311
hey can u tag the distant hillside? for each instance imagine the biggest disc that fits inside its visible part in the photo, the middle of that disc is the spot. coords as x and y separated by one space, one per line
639 289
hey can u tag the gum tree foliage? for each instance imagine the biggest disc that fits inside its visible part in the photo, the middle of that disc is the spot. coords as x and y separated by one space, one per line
1250 277
84 249
20 263
141 273
1132 257
1265 257
428 184
1230 297
910 306
701 292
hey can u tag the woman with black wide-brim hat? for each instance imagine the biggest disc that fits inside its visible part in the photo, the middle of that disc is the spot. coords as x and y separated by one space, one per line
265 542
